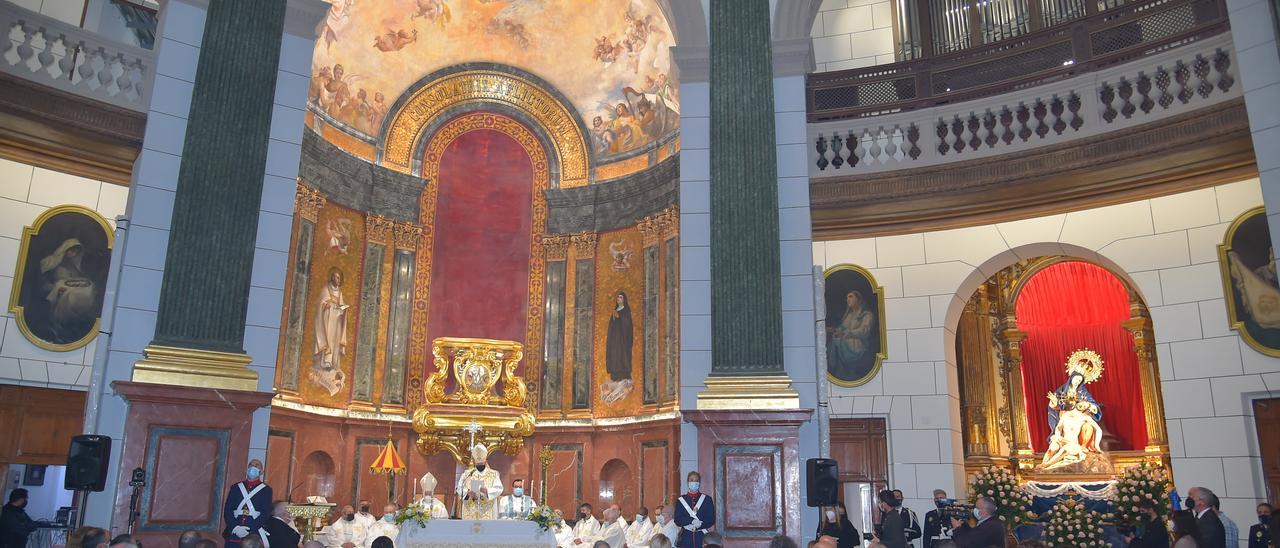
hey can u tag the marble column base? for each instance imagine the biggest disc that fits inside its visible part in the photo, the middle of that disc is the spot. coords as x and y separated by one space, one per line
750 463
193 444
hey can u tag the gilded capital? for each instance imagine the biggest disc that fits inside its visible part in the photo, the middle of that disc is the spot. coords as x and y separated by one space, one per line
309 202
377 229
584 243
406 235
556 247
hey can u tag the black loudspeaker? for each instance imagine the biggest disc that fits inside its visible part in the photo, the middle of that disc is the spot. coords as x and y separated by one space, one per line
823 477
87 462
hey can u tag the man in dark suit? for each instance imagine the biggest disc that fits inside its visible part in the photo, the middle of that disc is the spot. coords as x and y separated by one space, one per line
1212 532
1260 534
279 532
1151 533
890 531
987 533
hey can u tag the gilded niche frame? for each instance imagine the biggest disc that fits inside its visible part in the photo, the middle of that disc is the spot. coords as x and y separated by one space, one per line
50 236
1252 256
860 281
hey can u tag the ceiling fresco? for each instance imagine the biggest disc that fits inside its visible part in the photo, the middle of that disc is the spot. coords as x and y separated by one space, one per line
610 58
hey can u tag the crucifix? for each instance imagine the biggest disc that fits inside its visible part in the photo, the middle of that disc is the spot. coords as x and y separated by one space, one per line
472 429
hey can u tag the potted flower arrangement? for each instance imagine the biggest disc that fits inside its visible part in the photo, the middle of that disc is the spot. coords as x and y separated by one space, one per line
416 513
1013 504
1071 525
1142 482
545 517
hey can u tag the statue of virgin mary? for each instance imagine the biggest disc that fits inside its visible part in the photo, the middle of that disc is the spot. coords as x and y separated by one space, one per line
1075 431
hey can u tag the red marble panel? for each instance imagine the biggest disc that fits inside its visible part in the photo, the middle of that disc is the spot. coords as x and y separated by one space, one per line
180 473
656 482
564 477
279 470
749 491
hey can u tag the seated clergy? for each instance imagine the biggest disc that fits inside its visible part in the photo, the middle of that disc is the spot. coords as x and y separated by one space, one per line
641 529
610 531
517 505
587 527
428 500
385 526
347 532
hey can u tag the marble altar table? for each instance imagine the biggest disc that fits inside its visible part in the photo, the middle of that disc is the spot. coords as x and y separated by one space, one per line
453 533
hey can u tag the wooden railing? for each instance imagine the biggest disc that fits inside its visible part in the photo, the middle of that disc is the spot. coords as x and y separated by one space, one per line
1110 37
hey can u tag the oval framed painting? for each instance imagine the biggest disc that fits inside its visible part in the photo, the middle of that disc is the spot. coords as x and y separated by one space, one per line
1248 265
63 260
854 324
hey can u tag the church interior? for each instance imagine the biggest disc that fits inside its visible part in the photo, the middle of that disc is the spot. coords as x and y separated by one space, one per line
715 268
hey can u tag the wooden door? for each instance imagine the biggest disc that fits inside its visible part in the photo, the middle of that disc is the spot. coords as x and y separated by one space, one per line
1267 415
860 449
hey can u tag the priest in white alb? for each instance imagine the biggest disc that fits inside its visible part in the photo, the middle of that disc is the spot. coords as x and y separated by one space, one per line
517 505
428 500
384 526
586 528
610 531
640 530
480 487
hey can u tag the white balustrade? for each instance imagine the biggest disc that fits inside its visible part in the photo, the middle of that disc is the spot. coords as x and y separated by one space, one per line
69 58
1168 83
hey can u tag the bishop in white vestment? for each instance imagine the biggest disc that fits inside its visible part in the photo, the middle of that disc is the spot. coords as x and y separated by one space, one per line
428 499
517 505
480 487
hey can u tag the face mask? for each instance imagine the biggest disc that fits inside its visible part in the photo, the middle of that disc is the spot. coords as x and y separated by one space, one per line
661 519
976 514
253 473
1262 518
389 518
693 486
364 509
351 517
586 514
640 518
518 492
1190 503
480 467
831 516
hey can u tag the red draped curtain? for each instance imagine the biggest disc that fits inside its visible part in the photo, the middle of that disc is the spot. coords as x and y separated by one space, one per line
1066 307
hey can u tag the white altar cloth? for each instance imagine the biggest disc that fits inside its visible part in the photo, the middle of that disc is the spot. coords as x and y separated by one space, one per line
455 533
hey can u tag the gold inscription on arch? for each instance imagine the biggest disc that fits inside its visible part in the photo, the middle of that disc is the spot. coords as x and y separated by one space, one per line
406 132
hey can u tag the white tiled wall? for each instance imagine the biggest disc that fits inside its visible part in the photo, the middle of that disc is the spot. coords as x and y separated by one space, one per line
853 34
25 193
1166 246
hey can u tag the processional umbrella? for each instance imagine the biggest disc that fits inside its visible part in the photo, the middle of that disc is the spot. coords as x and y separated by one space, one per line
388 462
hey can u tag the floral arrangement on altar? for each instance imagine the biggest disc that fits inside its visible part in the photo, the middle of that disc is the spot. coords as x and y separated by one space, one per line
1071 525
1013 504
416 512
545 517
1142 482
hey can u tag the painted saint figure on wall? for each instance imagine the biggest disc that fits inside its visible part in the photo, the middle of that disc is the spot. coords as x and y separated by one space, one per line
617 357
72 296
61 272
1249 277
331 335
855 334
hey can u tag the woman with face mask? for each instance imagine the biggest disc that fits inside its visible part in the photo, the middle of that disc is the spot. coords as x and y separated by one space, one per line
835 524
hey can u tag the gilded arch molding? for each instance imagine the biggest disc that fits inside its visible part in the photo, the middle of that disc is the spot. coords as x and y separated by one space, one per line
406 130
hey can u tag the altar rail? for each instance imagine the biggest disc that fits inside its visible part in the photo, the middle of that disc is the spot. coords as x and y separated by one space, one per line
1113 36
65 57
1173 81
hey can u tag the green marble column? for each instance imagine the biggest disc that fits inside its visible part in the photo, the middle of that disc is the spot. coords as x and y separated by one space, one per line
199 337
746 291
